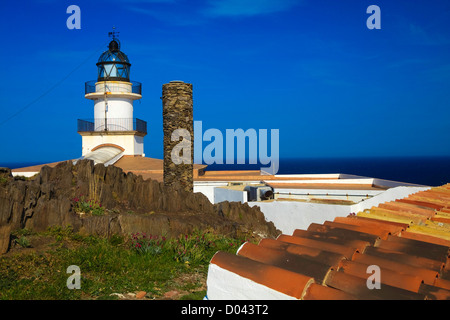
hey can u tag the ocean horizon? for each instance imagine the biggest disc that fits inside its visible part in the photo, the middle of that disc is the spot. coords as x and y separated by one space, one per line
431 171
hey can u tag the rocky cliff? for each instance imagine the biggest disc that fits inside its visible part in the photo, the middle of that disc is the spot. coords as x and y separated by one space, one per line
130 204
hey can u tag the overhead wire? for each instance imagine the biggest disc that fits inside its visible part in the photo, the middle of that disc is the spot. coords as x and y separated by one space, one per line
52 87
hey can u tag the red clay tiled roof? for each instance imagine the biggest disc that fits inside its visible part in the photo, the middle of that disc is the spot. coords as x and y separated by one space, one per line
148 168
37 168
408 239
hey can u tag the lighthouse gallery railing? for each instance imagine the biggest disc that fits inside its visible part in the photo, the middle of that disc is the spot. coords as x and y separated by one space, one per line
112 124
94 86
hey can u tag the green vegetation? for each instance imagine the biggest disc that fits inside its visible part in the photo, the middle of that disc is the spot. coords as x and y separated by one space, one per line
82 204
19 238
109 267
23 242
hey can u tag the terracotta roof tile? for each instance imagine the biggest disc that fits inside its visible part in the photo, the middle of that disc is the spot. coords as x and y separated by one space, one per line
37 168
324 237
421 203
341 233
406 217
445 274
415 247
377 231
442 283
358 287
425 238
407 239
391 228
402 225
285 281
434 293
439 218
322 256
346 251
317 270
428 276
148 168
401 257
428 229
389 277
319 292
408 208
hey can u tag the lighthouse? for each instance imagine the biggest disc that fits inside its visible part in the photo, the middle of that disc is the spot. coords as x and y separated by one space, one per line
113 132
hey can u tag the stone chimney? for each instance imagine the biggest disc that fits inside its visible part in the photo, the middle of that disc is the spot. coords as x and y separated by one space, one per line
178 114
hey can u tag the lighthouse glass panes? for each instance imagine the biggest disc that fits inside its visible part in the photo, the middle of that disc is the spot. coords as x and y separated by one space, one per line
113 65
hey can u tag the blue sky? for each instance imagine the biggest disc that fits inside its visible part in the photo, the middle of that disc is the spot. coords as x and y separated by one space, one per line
311 69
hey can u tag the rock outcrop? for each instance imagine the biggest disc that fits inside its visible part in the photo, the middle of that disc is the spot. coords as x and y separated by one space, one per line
131 205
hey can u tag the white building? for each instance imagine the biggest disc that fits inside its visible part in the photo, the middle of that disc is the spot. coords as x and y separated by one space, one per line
297 200
113 132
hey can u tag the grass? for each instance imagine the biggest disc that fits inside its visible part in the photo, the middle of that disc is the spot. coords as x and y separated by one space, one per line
115 265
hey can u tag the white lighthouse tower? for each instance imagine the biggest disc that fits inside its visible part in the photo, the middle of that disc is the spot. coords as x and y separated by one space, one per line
113 132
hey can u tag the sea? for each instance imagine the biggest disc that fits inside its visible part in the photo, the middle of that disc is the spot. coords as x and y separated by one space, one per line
430 171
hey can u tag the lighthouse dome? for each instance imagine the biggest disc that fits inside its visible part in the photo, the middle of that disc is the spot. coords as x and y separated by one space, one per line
113 64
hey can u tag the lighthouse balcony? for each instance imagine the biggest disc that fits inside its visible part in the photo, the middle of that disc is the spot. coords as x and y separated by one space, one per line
112 125
95 87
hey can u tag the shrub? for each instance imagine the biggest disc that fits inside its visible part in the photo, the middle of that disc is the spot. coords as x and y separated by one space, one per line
83 205
23 242
143 243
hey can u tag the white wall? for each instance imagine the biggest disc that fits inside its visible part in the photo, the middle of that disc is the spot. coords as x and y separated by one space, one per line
133 145
139 145
290 215
391 184
207 188
226 285
313 176
117 108
389 195
330 192
24 174
225 194
113 86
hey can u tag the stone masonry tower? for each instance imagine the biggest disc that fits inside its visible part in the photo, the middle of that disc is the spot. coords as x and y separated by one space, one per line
178 114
